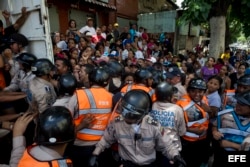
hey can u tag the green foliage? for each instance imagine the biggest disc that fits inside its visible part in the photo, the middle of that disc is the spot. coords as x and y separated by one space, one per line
195 11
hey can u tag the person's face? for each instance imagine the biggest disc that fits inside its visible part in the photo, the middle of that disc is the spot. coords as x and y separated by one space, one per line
104 28
73 62
62 37
175 80
83 43
98 31
210 62
223 70
242 110
213 85
133 69
61 69
57 38
87 53
73 24
150 82
14 47
129 79
242 88
130 55
188 78
82 74
241 69
74 54
196 94
184 67
90 23
71 44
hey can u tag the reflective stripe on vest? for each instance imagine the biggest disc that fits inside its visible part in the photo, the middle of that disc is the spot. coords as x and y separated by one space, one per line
227 94
28 160
231 134
186 103
101 115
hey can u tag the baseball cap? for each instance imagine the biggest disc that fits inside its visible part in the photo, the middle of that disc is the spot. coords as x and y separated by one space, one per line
173 71
89 18
89 34
151 59
62 45
113 53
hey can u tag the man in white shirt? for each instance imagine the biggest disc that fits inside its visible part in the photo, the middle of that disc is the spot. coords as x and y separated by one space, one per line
89 27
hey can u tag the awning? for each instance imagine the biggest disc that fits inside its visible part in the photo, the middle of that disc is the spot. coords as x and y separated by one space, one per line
101 4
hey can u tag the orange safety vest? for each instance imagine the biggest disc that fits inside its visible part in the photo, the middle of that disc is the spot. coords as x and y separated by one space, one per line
149 90
98 102
187 103
227 95
28 160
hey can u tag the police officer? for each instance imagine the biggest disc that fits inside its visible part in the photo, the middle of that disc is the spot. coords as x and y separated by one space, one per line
232 128
66 88
194 143
243 84
91 109
143 81
18 42
169 115
24 75
116 70
55 130
138 135
41 93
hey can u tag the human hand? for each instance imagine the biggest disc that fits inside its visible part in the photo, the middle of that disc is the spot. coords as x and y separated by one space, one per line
22 123
205 107
93 161
86 122
179 161
6 14
7 67
217 135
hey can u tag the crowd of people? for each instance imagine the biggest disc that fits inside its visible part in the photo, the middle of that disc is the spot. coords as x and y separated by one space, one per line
116 98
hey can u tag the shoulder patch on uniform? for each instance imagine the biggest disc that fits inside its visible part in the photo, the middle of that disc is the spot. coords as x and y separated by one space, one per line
118 118
152 121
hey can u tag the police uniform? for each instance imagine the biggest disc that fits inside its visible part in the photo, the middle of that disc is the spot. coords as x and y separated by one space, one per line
63 101
171 118
20 81
41 94
138 147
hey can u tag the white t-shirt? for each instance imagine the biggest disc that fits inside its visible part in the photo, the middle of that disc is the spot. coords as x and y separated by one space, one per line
87 28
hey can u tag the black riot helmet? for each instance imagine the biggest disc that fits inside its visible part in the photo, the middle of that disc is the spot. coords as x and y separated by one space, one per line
157 78
55 126
244 80
99 76
164 92
42 67
27 60
142 74
243 98
67 84
197 83
115 68
135 104
19 39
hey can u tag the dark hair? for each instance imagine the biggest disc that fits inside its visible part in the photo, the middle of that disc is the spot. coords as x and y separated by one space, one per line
88 68
72 20
218 78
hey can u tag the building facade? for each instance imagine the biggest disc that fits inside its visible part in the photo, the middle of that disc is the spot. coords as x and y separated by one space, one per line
104 12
